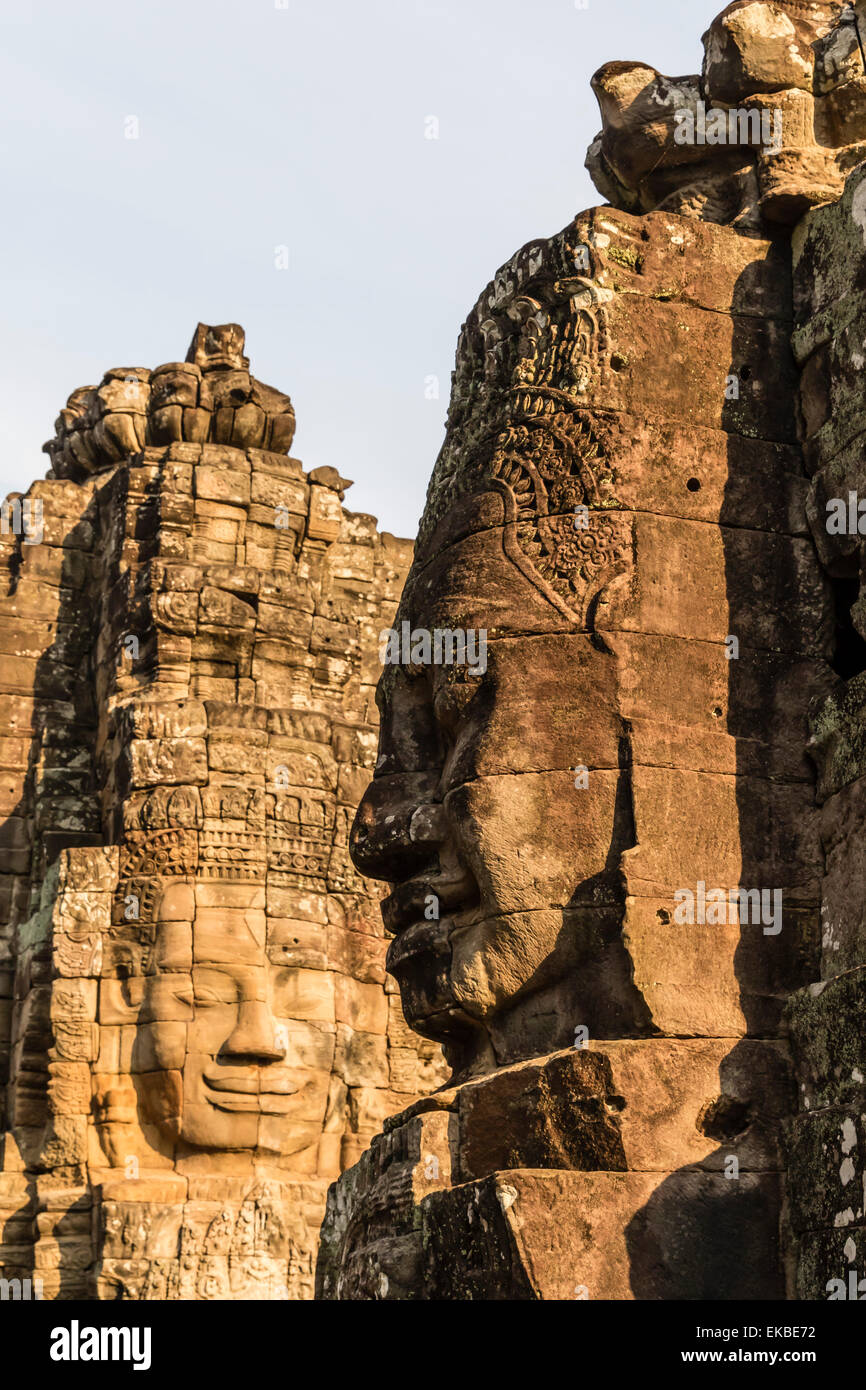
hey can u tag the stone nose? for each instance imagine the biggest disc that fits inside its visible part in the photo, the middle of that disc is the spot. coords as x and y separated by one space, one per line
398 827
254 1035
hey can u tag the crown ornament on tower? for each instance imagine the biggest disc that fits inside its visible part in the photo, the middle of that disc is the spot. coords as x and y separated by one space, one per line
770 128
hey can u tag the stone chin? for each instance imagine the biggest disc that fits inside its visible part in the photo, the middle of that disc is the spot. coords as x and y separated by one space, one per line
419 958
457 978
258 1131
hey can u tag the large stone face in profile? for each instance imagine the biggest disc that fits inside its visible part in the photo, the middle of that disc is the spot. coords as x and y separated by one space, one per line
640 816
613 811
197 1028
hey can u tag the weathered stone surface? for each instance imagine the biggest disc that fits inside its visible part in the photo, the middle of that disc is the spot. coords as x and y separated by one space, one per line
194 1017
546 1205
624 684
825 1141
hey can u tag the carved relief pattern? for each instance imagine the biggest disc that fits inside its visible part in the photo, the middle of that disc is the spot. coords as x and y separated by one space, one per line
547 470
529 357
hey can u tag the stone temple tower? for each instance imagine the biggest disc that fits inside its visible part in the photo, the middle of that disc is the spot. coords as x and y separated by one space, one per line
195 1027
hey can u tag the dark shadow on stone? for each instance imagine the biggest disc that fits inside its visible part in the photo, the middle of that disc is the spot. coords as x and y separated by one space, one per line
708 1236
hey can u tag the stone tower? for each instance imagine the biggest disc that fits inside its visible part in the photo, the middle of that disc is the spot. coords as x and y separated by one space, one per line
197 1034
620 815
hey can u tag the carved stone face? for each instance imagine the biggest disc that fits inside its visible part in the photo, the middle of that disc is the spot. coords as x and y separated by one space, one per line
507 902
474 813
537 819
230 1044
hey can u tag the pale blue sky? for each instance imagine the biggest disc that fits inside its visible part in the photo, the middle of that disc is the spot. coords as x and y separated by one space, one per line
303 127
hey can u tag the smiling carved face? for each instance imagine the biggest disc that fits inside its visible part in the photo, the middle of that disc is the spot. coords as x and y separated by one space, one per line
228 1042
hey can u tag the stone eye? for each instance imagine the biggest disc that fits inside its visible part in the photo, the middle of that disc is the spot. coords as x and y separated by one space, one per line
205 998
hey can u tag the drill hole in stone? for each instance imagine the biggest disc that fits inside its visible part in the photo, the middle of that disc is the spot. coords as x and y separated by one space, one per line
664 916
617 362
694 484
718 712
724 1119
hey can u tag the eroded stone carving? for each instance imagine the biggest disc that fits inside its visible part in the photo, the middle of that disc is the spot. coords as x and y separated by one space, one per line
772 126
677 655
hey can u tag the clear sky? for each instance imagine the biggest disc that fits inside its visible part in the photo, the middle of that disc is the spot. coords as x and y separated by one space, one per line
295 124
